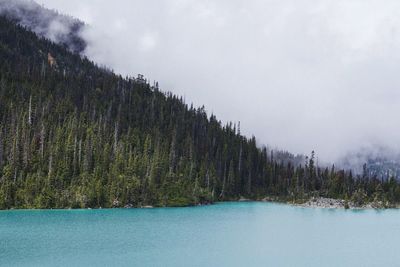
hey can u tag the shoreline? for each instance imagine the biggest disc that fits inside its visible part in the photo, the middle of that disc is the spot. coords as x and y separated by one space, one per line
328 203
331 203
314 202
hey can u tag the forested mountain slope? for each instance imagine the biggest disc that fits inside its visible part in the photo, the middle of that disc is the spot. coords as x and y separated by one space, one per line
75 135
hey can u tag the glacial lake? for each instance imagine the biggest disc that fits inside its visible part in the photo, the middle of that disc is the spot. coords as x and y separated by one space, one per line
225 234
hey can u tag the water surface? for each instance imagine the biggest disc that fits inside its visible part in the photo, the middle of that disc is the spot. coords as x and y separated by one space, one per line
227 234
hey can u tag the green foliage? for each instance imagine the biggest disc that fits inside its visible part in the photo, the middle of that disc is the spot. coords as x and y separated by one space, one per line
76 135
359 197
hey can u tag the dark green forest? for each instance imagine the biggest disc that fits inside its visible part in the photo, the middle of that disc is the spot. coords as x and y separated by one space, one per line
74 135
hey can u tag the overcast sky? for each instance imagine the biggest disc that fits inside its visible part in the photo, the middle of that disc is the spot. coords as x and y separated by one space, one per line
298 74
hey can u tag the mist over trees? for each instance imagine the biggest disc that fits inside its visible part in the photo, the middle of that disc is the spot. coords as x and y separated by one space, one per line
59 28
76 135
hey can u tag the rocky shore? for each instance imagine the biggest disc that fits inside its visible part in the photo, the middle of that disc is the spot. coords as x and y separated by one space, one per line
321 202
314 202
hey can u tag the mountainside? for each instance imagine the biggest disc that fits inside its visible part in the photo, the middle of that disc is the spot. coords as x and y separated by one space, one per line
75 135
61 29
380 162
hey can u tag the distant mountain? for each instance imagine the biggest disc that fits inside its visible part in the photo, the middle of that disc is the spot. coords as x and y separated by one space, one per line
384 168
47 23
380 162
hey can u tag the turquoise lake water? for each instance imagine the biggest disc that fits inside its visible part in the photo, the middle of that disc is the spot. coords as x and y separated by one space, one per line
227 234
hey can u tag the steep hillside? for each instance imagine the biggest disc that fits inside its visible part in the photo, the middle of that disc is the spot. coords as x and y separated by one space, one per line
75 135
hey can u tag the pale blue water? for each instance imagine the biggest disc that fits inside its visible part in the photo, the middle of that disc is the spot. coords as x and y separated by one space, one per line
229 234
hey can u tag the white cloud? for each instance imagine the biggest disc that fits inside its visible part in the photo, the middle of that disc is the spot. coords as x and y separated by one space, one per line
147 41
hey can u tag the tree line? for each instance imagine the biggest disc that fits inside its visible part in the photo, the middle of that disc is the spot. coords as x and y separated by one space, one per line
73 134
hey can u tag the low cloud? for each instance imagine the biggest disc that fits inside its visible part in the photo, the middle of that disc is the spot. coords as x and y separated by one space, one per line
46 23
